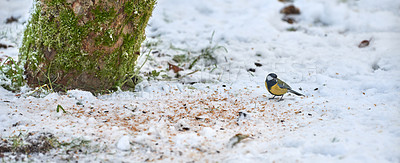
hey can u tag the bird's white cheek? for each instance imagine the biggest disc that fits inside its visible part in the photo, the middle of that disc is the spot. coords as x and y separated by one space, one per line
269 78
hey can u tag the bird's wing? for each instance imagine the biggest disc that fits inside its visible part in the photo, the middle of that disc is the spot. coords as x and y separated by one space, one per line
283 85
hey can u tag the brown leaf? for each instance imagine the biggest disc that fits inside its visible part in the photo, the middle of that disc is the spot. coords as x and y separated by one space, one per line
5 46
285 1
289 19
176 69
251 70
11 19
258 64
290 10
363 44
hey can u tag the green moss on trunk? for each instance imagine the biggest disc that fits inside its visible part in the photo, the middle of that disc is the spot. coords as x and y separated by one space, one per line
84 44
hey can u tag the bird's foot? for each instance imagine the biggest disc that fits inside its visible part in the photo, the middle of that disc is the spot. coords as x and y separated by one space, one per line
271 98
281 99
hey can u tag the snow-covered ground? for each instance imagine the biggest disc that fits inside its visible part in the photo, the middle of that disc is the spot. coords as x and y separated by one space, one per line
351 112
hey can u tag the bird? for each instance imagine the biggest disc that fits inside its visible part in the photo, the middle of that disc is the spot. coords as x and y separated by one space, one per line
277 87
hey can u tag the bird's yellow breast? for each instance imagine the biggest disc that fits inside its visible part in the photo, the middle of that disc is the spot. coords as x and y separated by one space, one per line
276 90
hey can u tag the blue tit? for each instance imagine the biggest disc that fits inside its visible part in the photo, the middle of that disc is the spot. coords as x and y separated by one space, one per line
277 87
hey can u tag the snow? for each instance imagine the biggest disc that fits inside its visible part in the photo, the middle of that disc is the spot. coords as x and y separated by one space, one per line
350 113
123 143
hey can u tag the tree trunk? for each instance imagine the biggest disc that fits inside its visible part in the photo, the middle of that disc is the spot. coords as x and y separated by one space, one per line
84 44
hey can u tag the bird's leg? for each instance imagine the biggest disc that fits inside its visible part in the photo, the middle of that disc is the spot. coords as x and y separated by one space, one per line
281 99
272 97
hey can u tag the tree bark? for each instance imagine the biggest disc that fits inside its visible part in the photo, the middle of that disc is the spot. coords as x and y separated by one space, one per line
90 45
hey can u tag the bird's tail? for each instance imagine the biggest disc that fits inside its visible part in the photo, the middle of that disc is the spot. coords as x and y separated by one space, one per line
296 93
